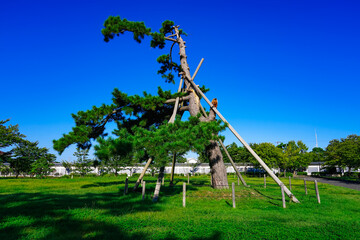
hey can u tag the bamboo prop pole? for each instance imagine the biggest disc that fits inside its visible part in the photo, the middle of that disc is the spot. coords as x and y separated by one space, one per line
142 174
232 163
233 195
184 194
262 163
317 191
143 190
176 105
172 170
305 187
283 195
197 69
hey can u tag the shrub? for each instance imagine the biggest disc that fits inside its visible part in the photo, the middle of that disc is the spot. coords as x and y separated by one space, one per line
302 173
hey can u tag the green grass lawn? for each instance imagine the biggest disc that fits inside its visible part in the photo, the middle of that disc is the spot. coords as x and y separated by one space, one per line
95 208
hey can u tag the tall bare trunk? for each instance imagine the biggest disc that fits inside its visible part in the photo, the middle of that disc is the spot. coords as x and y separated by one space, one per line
217 165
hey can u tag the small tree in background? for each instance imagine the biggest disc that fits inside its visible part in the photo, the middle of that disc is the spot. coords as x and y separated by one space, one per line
26 154
115 154
42 166
83 164
67 166
9 136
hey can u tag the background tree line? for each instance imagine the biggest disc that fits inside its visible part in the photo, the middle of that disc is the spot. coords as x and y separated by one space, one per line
339 155
112 155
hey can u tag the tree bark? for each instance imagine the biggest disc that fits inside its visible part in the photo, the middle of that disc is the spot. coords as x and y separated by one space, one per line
216 162
217 165
158 184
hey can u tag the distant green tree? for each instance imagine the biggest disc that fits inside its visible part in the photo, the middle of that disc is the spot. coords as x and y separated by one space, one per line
344 153
68 166
83 164
9 136
42 166
4 170
269 153
294 156
115 154
25 154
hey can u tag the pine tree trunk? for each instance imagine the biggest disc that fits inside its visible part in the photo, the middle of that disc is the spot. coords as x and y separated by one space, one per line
218 170
158 184
217 165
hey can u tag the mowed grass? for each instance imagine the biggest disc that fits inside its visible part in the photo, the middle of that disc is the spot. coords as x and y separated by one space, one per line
96 208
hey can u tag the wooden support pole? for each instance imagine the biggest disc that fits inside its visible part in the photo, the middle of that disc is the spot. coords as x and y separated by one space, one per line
289 182
142 173
264 180
305 187
143 190
283 195
173 170
233 195
184 194
238 180
163 181
317 191
188 178
176 105
262 163
232 163
126 186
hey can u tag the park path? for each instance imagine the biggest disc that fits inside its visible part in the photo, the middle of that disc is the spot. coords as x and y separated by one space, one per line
334 182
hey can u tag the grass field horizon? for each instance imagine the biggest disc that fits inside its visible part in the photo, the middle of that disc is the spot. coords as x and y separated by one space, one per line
96 208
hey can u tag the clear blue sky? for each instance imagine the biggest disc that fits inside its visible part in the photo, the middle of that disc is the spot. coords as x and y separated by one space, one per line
280 69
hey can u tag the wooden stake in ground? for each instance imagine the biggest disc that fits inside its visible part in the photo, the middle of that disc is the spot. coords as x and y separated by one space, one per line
126 186
317 191
238 181
233 195
264 180
283 196
289 182
163 181
143 190
188 178
184 194
305 186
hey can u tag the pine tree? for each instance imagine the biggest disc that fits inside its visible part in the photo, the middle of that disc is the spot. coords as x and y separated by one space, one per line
151 126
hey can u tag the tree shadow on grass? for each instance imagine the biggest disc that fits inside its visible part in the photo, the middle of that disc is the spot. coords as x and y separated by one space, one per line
103 184
76 216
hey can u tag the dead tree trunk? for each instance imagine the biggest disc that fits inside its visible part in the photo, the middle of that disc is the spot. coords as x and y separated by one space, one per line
217 165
